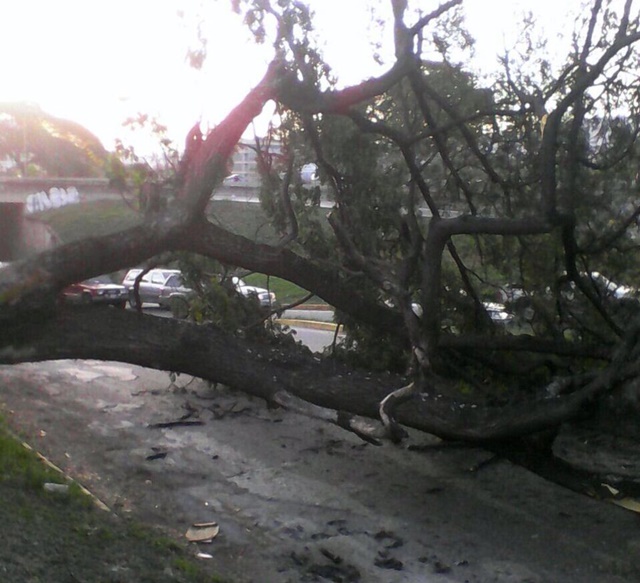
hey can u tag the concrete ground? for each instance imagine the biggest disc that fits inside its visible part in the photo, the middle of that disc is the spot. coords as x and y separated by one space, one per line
297 499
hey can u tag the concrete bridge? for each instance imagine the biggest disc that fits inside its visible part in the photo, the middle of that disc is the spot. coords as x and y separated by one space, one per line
25 190
21 233
21 199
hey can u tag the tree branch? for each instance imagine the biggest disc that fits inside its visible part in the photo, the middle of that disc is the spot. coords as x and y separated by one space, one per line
207 352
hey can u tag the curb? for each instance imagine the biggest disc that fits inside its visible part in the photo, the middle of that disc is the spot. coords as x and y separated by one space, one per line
47 462
314 325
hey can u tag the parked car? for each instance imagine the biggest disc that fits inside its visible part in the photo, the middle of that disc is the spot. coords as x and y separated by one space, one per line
175 295
607 290
510 293
96 290
498 312
611 288
265 298
151 286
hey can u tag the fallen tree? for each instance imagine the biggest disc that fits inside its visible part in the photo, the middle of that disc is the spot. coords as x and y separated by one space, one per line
275 372
417 137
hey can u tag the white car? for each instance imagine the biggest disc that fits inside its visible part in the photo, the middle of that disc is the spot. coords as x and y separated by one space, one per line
266 298
498 312
617 290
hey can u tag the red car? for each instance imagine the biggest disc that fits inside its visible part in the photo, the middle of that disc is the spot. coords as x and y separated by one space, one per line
97 290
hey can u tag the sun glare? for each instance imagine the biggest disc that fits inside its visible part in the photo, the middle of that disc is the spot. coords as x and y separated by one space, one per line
98 63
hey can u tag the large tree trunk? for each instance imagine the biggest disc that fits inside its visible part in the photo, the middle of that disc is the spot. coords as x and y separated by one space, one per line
270 371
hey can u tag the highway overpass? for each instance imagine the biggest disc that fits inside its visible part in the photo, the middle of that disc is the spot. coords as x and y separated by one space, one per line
25 190
20 232
21 199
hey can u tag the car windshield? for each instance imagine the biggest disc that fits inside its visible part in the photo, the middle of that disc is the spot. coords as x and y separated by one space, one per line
175 281
133 274
100 279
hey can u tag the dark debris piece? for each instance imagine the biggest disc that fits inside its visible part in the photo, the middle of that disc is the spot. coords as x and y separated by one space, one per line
299 560
179 423
392 541
335 559
389 563
336 573
441 568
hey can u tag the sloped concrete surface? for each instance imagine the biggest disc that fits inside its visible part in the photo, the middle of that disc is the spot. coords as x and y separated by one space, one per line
300 500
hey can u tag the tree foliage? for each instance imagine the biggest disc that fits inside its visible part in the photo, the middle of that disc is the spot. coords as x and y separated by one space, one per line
38 144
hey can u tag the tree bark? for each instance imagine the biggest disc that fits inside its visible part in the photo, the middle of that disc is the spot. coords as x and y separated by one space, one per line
265 371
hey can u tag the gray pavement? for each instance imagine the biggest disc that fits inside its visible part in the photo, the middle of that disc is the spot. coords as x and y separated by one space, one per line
316 340
298 499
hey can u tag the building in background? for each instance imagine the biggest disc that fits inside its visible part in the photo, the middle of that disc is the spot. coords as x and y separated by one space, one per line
245 171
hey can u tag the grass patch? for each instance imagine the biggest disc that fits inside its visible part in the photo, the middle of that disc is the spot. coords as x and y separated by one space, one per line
250 220
20 466
246 219
48 537
89 219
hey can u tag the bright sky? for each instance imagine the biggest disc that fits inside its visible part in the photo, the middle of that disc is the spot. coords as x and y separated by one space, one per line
99 62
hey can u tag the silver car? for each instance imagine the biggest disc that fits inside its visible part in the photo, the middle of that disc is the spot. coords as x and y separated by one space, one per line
151 286
175 295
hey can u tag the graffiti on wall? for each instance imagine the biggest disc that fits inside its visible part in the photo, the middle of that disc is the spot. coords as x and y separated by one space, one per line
55 198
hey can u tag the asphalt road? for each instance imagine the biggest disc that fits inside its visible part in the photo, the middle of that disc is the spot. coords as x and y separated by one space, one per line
316 340
298 499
